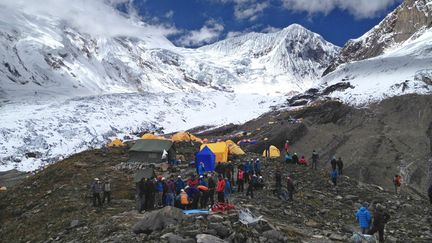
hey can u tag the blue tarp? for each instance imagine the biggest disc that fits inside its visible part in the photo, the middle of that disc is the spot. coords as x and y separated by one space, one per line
207 157
196 211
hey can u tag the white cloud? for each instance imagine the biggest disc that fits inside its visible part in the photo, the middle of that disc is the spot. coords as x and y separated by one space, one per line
169 14
96 17
358 8
249 9
209 33
270 29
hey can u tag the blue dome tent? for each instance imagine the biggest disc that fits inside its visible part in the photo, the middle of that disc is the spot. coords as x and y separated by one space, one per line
207 157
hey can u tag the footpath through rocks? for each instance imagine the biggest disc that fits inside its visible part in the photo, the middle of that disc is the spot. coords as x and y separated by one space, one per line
55 206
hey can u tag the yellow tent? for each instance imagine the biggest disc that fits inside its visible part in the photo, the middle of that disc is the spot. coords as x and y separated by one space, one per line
219 149
151 136
274 152
116 143
233 148
185 136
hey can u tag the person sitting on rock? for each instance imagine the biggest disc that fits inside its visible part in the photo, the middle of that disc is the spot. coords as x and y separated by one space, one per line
397 181
364 218
303 161
290 188
339 164
380 219
334 176
295 159
96 188
430 193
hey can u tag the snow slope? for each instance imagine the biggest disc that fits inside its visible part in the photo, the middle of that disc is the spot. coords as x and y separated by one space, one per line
404 69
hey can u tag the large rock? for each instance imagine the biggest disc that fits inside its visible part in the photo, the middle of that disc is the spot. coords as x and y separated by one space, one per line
159 219
205 238
221 229
275 235
172 238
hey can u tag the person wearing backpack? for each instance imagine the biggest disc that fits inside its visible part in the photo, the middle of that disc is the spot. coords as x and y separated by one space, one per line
380 219
364 218
334 176
397 181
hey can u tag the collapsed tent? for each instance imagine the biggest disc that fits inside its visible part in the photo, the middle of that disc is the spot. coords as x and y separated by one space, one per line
207 157
219 149
233 148
151 151
185 137
151 136
273 152
116 143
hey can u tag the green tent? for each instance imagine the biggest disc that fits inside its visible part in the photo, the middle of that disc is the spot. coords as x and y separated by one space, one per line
151 150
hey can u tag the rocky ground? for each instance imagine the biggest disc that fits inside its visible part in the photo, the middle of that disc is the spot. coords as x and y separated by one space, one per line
55 206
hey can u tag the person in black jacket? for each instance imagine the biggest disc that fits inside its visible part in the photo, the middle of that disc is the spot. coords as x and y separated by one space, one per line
333 163
380 219
290 188
149 194
339 164
295 159
278 178
140 195
430 193
212 188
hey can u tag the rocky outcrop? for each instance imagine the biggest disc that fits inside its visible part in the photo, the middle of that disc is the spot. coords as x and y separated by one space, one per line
405 22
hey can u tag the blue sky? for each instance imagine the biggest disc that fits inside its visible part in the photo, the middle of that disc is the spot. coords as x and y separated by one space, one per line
200 22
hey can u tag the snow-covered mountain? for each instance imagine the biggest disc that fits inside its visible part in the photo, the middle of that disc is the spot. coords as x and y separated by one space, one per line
393 58
64 90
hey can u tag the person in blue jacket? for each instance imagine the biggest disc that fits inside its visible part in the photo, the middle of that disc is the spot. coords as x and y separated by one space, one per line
179 184
247 168
334 175
227 190
364 218
201 169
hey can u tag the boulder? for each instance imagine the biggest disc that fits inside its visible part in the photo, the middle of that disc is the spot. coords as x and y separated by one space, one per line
205 238
215 218
221 229
274 235
172 238
158 219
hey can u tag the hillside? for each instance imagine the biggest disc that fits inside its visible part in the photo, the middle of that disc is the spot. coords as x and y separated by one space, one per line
58 208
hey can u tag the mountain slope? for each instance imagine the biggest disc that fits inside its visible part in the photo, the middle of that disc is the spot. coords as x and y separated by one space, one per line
408 21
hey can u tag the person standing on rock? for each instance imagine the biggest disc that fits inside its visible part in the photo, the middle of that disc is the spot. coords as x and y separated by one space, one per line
202 181
430 193
315 158
159 191
200 169
149 194
334 176
192 181
364 218
278 178
240 179
380 219
96 188
290 188
179 184
227 190
106 191
397 181
333 163
170 192
286 146
184 200
295 159
141 196
339 164
212 188
257 167
204 196
247 167
251 185
220 189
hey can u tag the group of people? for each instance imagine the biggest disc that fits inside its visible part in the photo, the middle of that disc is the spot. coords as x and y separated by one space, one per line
336 169
380 219
99 188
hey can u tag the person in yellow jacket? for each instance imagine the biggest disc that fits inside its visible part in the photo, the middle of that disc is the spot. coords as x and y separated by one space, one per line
184 200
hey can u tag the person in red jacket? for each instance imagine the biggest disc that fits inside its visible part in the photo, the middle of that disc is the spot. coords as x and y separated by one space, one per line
303 161
192 182
240 179
286 147
220 187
